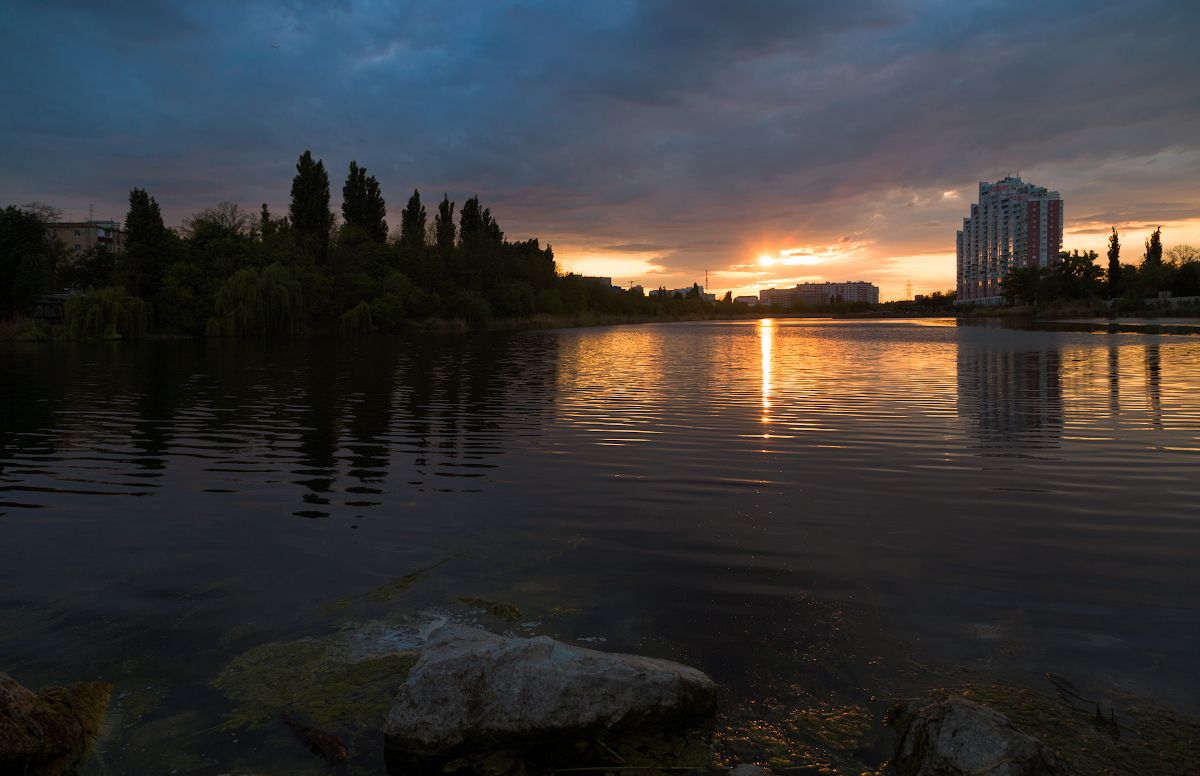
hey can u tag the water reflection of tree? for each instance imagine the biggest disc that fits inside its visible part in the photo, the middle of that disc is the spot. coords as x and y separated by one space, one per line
462 398
1014 398
1154 385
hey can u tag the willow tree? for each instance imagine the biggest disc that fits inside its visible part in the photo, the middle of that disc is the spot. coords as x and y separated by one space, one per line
356 319
252 303
106 313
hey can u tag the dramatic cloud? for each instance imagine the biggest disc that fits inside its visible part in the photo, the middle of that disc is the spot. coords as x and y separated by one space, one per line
645 140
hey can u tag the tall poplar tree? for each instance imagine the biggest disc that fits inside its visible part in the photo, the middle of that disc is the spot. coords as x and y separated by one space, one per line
444 226
1114 262
412 223
1154 248
309 210
362 203
143 263
476 227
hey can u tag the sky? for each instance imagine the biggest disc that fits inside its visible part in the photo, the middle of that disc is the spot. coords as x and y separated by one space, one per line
763 142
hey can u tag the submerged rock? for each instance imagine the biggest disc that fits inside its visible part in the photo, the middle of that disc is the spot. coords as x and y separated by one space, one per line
472 689
46 732
955 737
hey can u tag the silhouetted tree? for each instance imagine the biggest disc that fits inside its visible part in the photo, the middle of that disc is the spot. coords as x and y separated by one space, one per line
1114 263
412 223
362 203
444 226
309 210
476 226
268 225
1154 248
24 261
143 262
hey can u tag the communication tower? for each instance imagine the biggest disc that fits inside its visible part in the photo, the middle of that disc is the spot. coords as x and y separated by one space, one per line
908 291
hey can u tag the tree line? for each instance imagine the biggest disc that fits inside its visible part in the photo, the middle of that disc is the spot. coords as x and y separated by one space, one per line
229 272
1079 276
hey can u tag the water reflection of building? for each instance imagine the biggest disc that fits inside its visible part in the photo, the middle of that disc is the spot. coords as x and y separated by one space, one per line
1013 398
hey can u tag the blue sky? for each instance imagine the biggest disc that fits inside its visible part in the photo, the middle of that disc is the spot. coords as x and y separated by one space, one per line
645 140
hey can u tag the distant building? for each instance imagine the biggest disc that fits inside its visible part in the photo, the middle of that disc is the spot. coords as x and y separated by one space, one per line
81 235
671 292
821 293
1014 225
750 300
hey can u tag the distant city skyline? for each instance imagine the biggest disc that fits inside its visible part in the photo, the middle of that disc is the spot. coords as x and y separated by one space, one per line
769 143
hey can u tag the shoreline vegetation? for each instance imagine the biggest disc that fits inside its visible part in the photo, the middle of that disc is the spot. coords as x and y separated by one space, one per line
226 272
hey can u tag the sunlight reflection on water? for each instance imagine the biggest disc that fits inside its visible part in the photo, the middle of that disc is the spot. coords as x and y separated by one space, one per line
675 485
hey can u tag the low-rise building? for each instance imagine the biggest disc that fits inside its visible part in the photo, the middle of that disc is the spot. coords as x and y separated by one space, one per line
81 235
750 300
821 293
683 292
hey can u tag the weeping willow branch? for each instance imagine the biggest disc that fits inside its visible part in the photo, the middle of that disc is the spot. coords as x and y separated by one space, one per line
252 303
105 314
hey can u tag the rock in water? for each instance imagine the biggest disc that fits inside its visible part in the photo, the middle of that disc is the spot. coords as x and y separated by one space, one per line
955 737
472 689
43 733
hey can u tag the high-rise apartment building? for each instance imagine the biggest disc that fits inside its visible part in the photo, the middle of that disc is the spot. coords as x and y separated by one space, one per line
1014 224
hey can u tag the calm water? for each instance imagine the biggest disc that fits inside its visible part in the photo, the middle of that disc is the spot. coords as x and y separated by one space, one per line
717 493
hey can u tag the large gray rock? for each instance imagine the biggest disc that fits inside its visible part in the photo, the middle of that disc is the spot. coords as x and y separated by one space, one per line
472 689
955 737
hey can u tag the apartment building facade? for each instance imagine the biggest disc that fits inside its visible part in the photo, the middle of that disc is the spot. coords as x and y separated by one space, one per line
821 293
81 235
1013 225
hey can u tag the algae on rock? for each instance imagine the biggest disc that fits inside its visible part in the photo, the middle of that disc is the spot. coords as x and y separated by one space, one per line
352 674
506 612
388 591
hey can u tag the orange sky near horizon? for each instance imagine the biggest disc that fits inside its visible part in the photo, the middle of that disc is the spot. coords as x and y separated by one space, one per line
787 263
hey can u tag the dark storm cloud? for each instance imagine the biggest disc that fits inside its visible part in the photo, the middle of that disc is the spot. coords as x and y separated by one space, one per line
616 124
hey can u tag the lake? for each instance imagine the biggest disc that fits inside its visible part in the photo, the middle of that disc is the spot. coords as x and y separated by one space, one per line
811 511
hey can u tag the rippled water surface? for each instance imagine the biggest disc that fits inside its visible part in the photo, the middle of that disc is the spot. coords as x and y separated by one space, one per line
708 492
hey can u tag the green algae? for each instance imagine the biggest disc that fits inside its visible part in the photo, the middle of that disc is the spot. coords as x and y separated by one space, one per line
237 633
506 612
387 592
134 704
307 678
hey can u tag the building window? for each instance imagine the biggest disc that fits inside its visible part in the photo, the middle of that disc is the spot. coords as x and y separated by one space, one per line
78 248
